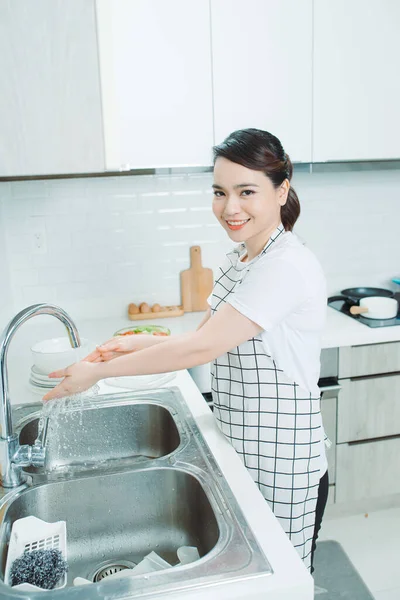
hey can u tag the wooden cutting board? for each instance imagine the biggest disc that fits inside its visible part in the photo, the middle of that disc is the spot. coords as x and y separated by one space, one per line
196 283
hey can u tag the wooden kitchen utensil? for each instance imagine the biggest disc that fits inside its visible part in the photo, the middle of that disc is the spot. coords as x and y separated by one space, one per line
196 283
358 310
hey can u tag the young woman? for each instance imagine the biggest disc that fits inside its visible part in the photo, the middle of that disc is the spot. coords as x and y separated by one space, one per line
262 334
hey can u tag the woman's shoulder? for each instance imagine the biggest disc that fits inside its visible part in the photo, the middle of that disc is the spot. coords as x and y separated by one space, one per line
292 250
292 259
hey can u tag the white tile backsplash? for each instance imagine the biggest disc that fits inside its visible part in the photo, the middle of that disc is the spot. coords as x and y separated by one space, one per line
114 240
5 283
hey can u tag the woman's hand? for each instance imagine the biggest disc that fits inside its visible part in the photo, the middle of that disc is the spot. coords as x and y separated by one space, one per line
121 345
77 378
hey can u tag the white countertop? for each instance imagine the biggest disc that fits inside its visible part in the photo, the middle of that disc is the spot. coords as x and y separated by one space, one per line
340 330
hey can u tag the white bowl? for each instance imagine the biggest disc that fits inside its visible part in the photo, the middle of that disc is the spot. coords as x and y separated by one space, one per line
57 353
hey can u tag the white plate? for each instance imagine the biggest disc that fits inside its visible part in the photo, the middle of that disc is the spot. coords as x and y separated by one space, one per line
140 382
38 390
46 382
42 386
40 376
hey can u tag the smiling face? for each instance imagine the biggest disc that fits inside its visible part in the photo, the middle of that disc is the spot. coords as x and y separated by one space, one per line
247 204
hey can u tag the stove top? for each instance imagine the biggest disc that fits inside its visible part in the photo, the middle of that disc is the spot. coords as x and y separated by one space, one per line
342 306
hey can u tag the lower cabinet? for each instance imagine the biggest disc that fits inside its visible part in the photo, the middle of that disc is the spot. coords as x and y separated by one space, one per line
369 407
368 422
367 469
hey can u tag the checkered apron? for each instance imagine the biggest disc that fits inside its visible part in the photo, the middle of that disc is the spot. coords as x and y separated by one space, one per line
273 424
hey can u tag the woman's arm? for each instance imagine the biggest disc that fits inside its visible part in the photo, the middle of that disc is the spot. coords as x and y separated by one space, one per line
207 316
223 331
124 344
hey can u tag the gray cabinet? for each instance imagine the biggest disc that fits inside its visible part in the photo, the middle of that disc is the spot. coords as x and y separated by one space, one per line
368 422
50 101
369 408
371 359
367 470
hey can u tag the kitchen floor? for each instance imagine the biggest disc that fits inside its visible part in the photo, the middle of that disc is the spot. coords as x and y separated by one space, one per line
373 545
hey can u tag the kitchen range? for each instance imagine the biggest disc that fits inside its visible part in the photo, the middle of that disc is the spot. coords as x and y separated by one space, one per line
381 301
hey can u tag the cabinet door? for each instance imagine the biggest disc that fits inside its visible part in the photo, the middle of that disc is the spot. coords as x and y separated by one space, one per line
367 470
262 70
49 88
369 408
356 89
155 68
370 359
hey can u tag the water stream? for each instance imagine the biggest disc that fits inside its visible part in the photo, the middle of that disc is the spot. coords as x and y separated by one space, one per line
74 405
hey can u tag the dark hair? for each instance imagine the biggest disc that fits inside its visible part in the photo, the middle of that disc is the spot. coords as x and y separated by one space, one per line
261 151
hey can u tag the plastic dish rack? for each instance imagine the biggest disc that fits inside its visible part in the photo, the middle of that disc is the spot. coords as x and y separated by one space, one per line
31 533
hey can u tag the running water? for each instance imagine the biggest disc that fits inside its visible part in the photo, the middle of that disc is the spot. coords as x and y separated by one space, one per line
74 405
79 400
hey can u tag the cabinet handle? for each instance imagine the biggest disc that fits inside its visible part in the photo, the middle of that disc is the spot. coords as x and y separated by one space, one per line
377 439
375 376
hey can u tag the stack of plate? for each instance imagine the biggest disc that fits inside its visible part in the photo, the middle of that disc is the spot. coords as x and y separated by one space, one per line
40 382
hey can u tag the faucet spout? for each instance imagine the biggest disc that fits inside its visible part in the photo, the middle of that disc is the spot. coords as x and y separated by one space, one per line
10 454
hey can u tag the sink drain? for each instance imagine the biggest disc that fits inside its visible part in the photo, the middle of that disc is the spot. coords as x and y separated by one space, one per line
111 567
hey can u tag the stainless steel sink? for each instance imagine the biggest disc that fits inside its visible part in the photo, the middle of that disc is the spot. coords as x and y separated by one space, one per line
101 435
138 476
118 518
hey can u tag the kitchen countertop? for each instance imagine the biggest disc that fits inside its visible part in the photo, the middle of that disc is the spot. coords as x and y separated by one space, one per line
340 330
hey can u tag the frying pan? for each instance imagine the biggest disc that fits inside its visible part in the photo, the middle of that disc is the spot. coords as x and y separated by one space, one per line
353 295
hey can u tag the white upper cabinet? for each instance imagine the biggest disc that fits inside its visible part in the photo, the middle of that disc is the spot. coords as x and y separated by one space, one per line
356 80
262 70
155 69
50 102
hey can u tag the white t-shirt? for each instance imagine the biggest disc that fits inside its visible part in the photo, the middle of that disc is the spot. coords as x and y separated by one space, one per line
284 292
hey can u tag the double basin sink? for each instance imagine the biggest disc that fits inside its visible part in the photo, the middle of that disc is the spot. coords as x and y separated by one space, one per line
131 473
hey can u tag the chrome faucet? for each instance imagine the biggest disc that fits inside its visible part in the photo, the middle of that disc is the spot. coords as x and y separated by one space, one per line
13 456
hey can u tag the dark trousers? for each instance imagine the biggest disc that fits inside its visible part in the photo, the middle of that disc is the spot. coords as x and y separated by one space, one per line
323 490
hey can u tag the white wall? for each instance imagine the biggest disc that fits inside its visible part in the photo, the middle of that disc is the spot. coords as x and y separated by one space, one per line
351 221
115 240
5 286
